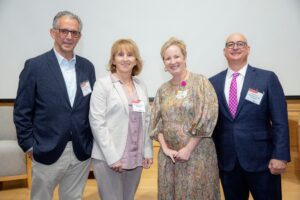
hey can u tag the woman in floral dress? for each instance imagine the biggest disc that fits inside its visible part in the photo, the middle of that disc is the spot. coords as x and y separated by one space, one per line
184 115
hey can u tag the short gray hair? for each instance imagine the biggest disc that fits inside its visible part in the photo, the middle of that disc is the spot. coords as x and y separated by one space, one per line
68 14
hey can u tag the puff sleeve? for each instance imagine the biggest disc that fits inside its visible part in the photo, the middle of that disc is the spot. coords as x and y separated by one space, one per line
205 108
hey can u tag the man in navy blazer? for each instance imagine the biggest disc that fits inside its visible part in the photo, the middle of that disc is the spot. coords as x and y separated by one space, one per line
51 113
252 138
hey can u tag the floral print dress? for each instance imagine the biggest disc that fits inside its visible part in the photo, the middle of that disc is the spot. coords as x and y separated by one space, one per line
180 113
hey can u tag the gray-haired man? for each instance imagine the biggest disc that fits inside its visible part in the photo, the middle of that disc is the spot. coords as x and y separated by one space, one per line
51 113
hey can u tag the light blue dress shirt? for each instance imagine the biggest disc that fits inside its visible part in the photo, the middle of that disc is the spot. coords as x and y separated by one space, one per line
69 73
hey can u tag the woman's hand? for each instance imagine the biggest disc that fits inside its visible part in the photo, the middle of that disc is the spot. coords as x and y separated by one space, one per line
183 154
167 151
170 153
117 167
147 162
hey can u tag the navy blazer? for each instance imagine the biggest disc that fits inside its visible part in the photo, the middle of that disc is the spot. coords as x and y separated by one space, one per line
258 133
43 115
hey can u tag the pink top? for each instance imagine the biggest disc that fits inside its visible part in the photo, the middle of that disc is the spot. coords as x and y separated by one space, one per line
133 153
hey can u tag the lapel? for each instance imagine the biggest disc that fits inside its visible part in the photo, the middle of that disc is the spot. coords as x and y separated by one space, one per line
119 88
248 82
79 73
222 97
140 93
55 68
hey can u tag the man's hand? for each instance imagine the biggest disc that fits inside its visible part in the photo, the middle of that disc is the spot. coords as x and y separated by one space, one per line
277 166
30 154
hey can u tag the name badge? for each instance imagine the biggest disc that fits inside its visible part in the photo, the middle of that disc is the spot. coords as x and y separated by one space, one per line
138 106
85 88
254 96
181 94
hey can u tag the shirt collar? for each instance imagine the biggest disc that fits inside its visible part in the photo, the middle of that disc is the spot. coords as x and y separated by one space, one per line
242 71
62 60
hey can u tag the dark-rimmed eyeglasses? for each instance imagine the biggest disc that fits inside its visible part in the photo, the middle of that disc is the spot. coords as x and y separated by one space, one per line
238 44
65 32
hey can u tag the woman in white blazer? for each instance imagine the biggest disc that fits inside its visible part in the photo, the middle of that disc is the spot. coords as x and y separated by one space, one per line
119 116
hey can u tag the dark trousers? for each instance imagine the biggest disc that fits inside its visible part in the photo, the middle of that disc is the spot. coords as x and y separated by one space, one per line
238 183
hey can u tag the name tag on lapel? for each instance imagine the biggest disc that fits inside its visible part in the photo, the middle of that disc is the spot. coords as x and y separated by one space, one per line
85 87
254 96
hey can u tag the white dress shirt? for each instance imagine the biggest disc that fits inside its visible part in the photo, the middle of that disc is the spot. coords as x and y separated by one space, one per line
239 81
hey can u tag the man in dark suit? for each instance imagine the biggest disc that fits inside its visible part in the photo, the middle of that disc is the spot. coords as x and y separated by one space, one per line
51 113
252 135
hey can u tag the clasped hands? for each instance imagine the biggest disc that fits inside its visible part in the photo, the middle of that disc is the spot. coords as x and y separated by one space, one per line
183 155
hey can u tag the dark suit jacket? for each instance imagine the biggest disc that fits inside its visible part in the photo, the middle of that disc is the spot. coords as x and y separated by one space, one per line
258 132
43 114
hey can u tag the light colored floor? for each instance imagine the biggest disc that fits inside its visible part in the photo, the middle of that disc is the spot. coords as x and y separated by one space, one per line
148 186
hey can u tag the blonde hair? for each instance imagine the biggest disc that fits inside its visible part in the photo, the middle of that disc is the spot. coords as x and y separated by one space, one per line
173 41
130 46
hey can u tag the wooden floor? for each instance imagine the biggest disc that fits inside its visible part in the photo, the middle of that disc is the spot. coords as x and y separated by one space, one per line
16 190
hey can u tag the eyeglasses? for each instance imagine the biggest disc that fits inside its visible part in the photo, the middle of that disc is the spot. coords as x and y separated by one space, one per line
65 32
238 44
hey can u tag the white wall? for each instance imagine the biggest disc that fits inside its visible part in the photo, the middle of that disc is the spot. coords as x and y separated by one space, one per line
271 26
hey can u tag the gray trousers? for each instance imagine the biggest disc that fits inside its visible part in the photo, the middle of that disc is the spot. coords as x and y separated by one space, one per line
114 185
67 172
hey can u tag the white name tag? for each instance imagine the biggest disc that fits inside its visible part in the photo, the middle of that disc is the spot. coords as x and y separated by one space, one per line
181 94
138 106
254 96
85 88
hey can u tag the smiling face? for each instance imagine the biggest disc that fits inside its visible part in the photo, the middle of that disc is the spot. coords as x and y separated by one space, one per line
125 57
236 51
64 44
174 60
124 61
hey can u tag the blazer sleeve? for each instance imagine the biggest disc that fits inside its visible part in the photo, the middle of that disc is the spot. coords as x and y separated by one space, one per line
278 113
97 118
24 106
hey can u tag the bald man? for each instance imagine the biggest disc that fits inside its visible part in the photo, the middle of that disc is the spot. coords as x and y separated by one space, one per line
252 135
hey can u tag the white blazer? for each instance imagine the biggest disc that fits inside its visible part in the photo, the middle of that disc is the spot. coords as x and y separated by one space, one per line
109 119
